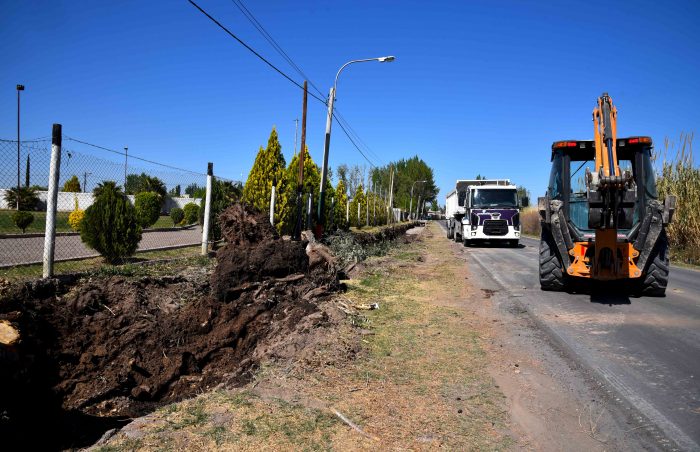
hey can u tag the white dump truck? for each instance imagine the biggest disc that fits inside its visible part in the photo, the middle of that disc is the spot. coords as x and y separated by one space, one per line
484 210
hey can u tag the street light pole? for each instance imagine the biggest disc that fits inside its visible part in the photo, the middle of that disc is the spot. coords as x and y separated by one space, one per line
327 142
19 88
410 209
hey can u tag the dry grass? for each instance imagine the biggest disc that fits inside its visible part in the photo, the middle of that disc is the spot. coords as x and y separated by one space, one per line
681 177
419 382
530 222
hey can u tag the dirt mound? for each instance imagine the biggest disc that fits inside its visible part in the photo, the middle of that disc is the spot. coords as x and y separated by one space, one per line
95 352
253 252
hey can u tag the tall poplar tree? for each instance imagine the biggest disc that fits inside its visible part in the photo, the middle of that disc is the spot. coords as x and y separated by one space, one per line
268 169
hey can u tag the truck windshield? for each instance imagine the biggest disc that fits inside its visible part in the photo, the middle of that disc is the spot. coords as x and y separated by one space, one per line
483 198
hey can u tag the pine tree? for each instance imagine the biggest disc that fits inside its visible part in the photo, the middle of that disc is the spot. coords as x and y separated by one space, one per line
268 169
287 199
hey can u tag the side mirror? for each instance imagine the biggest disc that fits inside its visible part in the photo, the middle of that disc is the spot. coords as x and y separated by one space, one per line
524 201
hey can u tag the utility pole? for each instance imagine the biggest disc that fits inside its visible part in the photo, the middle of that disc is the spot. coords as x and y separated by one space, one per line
19 88
126 158
85 175
300 183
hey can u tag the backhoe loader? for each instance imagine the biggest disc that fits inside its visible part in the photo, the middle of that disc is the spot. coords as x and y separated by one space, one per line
601 216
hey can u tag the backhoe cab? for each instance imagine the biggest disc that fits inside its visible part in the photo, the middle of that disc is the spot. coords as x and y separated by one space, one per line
601 217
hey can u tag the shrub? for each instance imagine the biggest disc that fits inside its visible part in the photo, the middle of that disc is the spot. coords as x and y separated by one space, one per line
28 198
110 226
22 219
177 214
76 216
147 208
191 212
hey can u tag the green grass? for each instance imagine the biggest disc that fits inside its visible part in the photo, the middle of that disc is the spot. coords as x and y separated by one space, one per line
39 224
134 267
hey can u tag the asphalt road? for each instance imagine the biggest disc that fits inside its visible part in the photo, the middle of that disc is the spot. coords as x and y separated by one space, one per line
16 251
646 349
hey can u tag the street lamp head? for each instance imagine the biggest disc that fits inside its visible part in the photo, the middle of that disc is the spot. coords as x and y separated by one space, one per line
20 87
386 59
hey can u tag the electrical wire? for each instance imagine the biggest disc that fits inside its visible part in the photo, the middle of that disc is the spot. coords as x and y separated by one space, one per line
339 117
66 137
275 68
256 23
283 74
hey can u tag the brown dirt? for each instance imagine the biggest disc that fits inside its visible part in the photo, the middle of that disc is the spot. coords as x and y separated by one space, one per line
96 352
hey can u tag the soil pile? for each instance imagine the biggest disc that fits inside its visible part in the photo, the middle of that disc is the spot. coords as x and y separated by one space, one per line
94 352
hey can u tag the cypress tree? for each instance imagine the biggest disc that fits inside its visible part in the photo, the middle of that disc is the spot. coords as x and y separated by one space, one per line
341 202
287 198
268 169
359 199
26 174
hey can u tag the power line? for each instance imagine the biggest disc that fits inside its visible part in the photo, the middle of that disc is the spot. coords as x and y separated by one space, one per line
276 69
261 28
279 71
256 23
359 138
132 156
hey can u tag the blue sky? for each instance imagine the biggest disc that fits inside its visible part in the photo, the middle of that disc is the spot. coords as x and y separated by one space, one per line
477 87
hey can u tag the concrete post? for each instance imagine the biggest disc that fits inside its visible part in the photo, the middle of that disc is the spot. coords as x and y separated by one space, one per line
51 201
326 146
272 206
207 209
308 211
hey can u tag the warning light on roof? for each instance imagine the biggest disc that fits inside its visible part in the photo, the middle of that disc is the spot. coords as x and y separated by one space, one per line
637 140
564 144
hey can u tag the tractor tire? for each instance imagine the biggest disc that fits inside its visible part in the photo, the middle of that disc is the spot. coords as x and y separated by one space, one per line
655 279
551 274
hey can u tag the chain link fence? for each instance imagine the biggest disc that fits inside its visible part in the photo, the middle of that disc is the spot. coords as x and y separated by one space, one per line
84 167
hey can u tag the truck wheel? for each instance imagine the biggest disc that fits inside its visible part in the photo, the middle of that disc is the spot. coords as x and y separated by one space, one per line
655 279
551 273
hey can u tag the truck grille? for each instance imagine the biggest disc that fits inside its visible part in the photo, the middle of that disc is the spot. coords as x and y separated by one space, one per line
495 227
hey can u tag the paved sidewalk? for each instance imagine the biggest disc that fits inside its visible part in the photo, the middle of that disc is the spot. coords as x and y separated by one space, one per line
21 250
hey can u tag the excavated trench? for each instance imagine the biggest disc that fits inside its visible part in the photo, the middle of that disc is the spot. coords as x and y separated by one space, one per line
96 352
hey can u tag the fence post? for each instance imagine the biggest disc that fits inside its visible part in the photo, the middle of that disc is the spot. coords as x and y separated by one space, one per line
272 204
367 209
51 201
207 209
308 211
